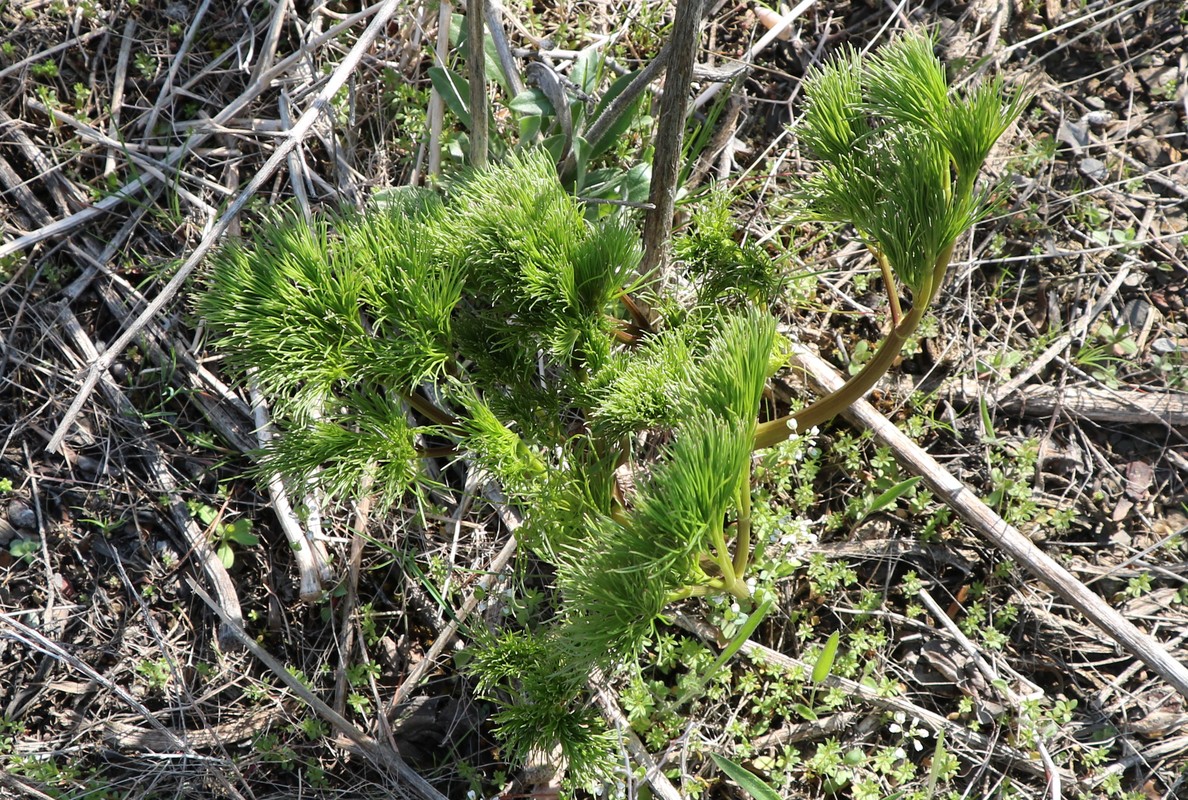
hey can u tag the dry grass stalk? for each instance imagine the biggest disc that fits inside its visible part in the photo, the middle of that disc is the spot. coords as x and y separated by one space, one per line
197 542
380 754
959 497
319 106
974 742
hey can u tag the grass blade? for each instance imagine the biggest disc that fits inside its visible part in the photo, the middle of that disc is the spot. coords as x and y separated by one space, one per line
751 783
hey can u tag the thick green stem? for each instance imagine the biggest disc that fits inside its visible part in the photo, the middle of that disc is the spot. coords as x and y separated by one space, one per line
938 272
698 590
775 431
742 538
730 581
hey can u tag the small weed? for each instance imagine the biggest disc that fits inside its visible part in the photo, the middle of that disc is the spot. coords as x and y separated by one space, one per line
48 96
46 69
156 672
272 749
1138 586
146 65
82 95
25 550
225 535
314 729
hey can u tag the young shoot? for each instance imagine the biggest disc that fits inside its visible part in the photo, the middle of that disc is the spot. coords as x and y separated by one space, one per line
497 327
896 152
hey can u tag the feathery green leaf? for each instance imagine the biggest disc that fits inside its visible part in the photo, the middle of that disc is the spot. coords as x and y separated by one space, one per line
833 120
367 449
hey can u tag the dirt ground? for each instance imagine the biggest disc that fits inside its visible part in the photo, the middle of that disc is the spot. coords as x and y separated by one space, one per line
1052 377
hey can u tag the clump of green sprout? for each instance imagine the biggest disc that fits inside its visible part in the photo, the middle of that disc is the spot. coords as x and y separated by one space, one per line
500 329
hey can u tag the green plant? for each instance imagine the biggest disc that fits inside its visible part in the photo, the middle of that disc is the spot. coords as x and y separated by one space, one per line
503 327
82 94
579 135
1138 586
753 785
145 64
897 155
45 69
224 534
24 549
158 673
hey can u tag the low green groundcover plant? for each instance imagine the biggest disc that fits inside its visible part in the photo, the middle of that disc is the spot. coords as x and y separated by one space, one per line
498 327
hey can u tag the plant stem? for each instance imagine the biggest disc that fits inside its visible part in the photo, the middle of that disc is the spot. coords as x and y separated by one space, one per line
742 538
428 409
638 311
670 132
938 272
475 24
775 431
684 593
889 282
622 335
436 103
730 581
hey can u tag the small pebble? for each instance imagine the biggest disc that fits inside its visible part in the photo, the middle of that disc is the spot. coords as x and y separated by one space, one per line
1164 346
1097 118
1093 168
89 467
1073 134
21 515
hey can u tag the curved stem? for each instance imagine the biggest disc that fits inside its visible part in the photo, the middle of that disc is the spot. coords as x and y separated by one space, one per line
684 593
730 581
889 283
775 431
429 410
